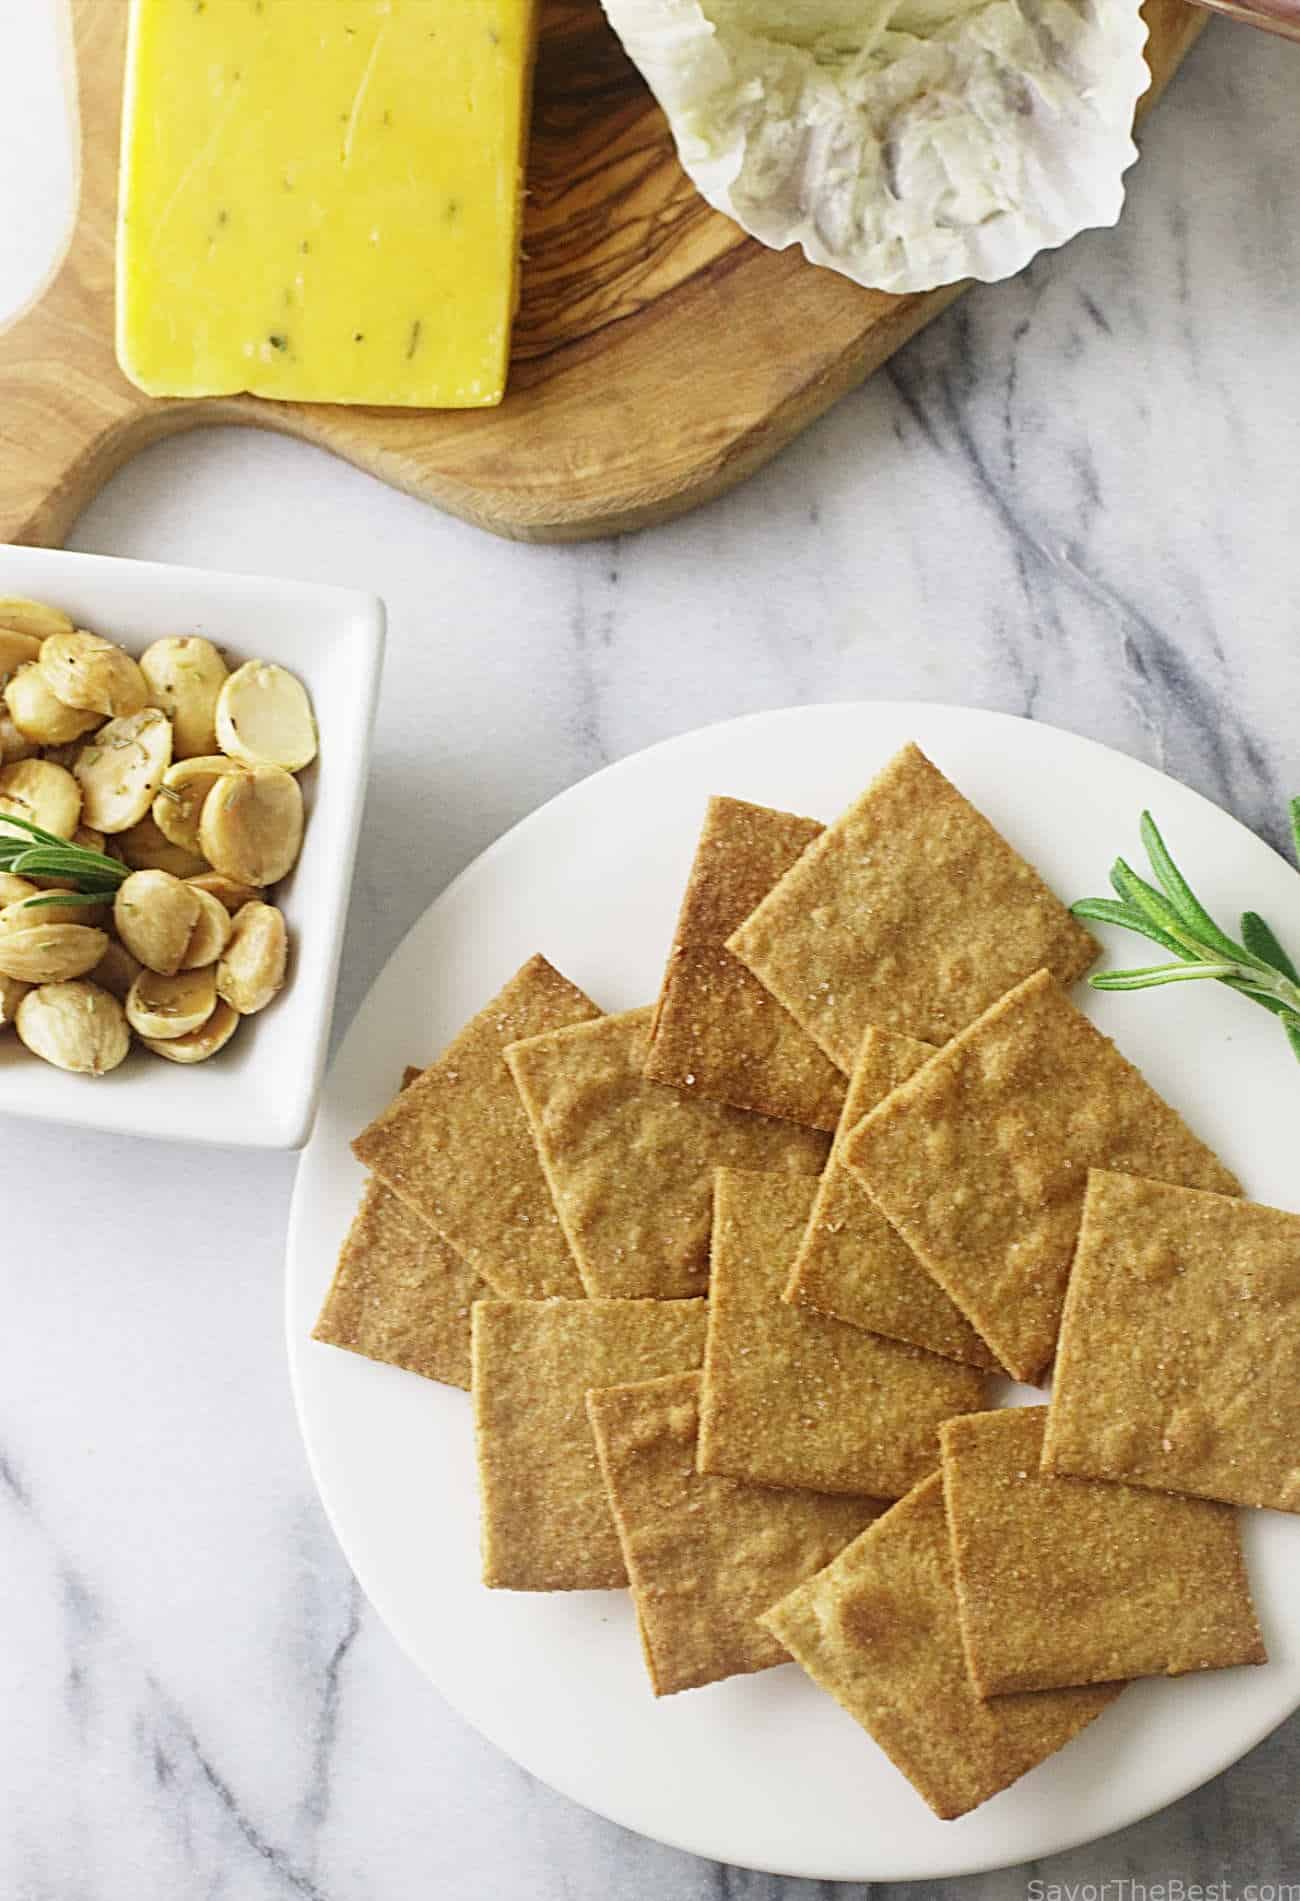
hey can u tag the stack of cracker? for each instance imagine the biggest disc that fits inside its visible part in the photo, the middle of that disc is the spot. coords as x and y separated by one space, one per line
728 1277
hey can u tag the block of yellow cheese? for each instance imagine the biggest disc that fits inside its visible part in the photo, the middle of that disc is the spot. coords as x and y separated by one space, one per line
320 199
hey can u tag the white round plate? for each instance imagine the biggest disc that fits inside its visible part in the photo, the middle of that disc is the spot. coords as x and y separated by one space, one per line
765 1770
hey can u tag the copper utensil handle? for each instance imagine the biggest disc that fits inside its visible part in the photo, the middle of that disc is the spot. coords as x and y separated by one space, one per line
1273 16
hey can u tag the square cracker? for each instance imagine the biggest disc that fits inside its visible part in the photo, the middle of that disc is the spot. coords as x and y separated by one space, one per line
980 1160
704 1555
911 913
631 1162
716 1029
400 1294
1180 1349
793 1397
851 1263
546 1524
878 1629
1066 1581
456 1145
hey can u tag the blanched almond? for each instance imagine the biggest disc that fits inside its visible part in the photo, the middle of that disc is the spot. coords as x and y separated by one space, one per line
47 950
251 828
144 848
154 914
36 618
16 650
230 892
39 716
165 1007
121 773
116 970
13 890
185 675
210 935
75 1026
12 992
251 972
179 804
199 1044
96 675
43 794
264 717
13 744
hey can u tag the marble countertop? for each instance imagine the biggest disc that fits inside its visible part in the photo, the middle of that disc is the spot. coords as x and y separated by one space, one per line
1074 497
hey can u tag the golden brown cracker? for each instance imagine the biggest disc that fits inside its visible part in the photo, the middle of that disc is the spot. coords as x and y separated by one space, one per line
400 1293
878 1629
793 1397
910 913
546 1524
630 1162
851 1263
1064 1581
1180 1348
716 1029
980 1160
457 1148
704 1555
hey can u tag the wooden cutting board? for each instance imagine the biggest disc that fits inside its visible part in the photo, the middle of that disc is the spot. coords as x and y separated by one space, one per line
660 356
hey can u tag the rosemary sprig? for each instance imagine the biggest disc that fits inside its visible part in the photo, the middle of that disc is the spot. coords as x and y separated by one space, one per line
1171 915
38 853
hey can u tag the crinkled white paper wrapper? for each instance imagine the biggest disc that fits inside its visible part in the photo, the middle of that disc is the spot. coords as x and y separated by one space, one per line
915 143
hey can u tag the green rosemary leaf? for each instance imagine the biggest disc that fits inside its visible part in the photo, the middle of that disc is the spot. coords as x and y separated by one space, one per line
1180 893
1258 968
48 898
41 854
1107 911
1153 974
1154 906
1278 1005
1260 940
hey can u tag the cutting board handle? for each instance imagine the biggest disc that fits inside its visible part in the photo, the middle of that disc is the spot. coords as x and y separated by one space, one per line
68 417
67 421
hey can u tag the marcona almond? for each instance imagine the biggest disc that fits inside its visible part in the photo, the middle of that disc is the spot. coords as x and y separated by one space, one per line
43 794
251 972
144 848
252 824
185 674
38 715
199 1044
86 671
179 804
160 1008
16 650
154 914
75 1026
13 744
12 992
47 952
231 893
121 773
210 935
36 618
116 970
264 717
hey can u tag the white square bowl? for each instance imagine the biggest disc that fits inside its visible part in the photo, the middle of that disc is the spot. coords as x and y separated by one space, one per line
261 1090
